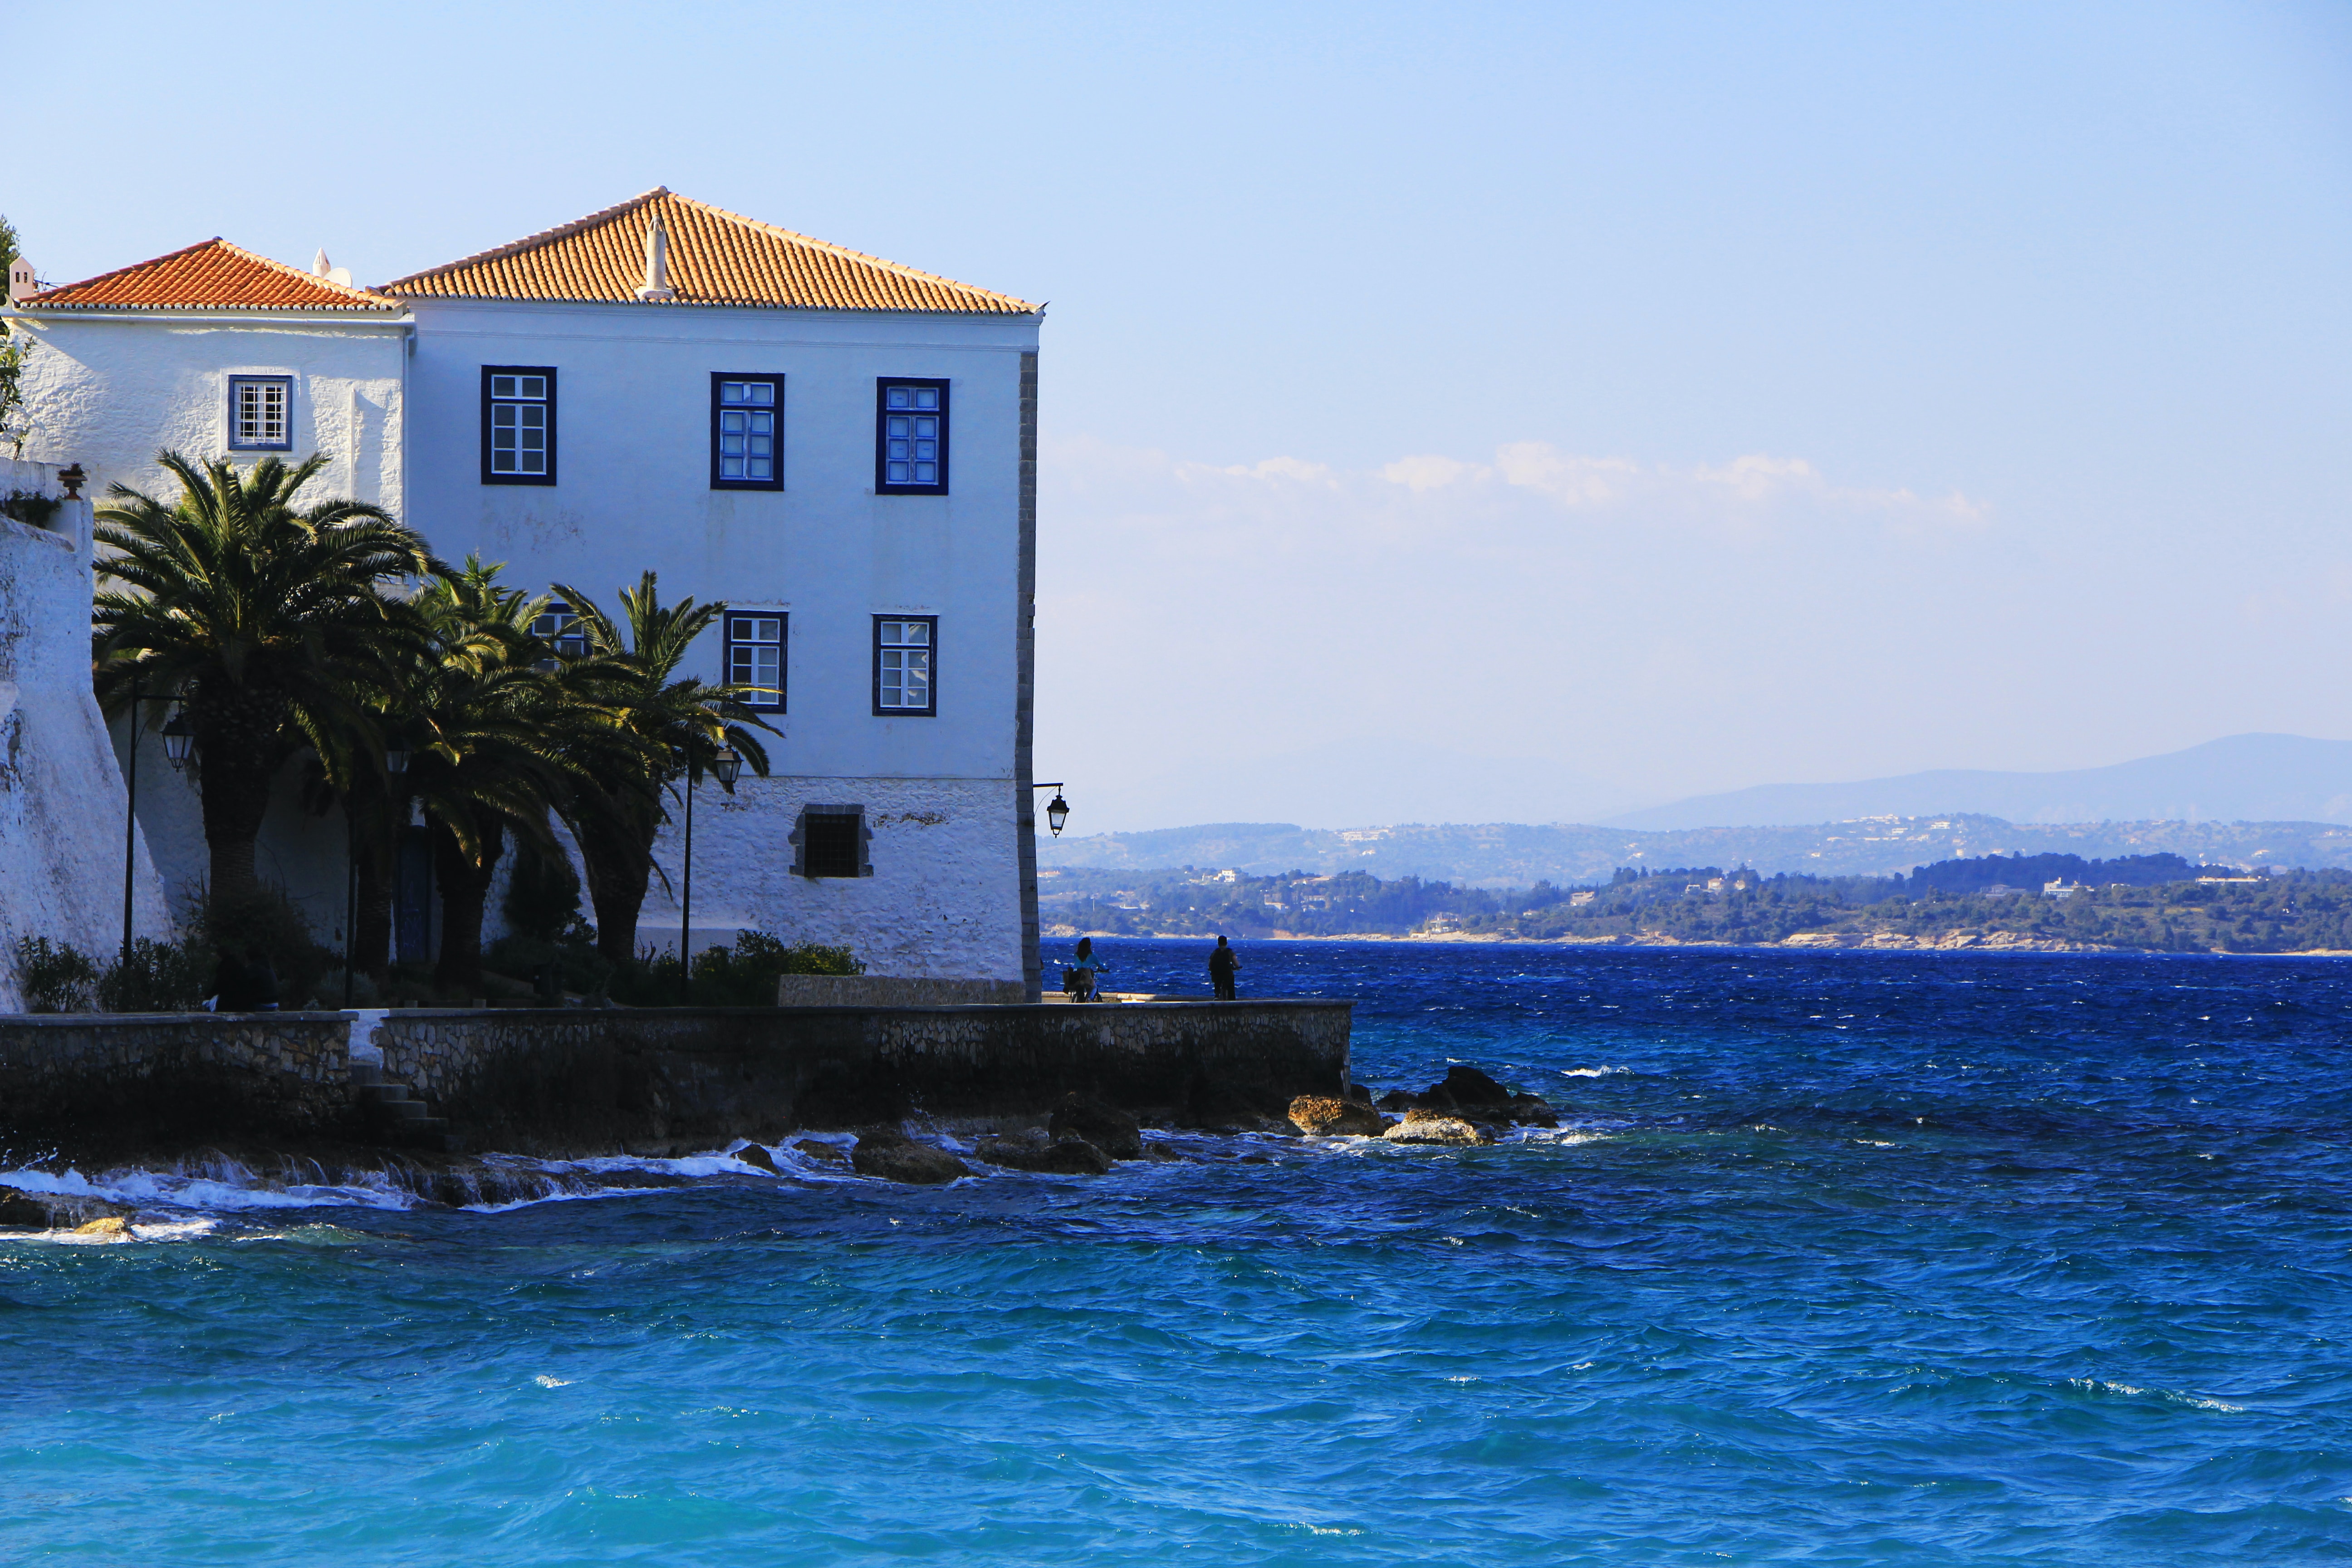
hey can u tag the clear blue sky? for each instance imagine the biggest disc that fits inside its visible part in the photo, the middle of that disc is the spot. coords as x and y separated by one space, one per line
1461 411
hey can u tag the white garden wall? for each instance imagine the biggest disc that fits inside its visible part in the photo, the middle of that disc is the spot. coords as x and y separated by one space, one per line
61 798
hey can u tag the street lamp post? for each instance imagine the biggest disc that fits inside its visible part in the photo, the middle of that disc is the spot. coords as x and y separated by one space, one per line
395 763
1058 810
179 745
727 764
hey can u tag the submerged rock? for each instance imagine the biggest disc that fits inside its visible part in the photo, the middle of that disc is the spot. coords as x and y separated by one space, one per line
1226 1108
1063 1157
758 1158
895 1157
1531 1110
1427 1127
112 1225
22 1211
1100 1123
1475 1096
1326 1117
831 1152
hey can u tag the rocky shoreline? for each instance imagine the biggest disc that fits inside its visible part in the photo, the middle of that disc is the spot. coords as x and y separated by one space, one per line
1081 1135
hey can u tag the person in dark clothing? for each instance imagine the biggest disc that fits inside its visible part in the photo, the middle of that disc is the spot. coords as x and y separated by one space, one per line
230 984
261 981
1223 961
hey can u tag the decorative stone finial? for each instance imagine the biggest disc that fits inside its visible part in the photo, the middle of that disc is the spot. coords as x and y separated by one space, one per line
318 266
73 479
656 285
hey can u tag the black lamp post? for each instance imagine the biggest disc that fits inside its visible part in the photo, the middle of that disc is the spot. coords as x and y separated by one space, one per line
396 762
728 764
1058 810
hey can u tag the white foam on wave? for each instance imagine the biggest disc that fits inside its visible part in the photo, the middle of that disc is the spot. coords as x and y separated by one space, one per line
2133 1391
1592 1072
225 1187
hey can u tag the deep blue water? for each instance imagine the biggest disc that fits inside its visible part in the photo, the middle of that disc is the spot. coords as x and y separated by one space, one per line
1842 1259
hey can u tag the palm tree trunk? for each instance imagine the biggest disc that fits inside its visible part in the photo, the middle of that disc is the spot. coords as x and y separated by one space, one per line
240 750
616 886
465 891
372 935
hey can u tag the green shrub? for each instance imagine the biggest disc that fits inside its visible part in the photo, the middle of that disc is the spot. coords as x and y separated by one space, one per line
30 505
542 898
54 977
267 920
157 977
744 975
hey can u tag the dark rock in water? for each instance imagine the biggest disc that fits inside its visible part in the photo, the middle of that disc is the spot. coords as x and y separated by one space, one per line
1531 1110
1398 1099
1064 1157
1100 1123
1356 1091
1224 1107
1326 1117
1468 1089
1161 1151
758 1158
895 1157
22 1211
832 1153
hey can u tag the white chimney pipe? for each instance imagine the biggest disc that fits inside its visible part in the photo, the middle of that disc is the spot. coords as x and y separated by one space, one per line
656 285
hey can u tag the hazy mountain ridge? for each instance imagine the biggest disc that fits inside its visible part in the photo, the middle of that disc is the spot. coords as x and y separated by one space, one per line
1518 855
2250 778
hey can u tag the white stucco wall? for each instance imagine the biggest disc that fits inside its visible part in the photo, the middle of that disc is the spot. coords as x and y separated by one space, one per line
944 901
110 392
61 799
632 492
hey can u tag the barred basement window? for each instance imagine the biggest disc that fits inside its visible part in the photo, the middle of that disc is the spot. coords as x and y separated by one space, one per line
911 438
831 840
755 658
903 646
518 424
259 413
746 432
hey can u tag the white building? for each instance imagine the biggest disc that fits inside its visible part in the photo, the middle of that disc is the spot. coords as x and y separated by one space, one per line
841 448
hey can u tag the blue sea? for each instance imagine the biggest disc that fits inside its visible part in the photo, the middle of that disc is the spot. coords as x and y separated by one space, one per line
1836 1258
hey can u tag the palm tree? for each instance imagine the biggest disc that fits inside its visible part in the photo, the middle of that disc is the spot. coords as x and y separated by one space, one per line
502 733
272 625
681 724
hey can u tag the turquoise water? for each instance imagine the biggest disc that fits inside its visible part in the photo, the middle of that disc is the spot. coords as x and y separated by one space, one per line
1840 1258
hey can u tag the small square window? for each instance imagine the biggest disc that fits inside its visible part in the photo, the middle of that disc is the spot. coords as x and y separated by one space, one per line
518 424
747 431
904 649
260 417
911 438
558 628
831 841
755 657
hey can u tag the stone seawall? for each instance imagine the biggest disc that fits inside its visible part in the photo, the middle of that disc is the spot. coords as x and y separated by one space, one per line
553 1081
134 1082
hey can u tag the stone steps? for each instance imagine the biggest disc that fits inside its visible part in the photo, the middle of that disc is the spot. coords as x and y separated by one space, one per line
396 1110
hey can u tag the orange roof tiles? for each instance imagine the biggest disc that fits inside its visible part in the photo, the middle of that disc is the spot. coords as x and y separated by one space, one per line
716 257
213 275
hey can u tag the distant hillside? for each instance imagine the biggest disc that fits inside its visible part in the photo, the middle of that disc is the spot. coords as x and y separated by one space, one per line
2241 778
1513 854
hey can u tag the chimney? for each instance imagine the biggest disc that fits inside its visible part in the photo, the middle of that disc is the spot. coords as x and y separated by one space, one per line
21 286
656 285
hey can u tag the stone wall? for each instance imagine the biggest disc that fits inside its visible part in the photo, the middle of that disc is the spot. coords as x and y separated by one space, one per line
890 991
61 794
573 1080
128 1083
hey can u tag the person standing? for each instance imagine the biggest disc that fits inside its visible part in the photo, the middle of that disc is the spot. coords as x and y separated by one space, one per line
1223 961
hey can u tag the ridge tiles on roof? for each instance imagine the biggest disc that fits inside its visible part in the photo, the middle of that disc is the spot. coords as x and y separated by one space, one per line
210 276
716 257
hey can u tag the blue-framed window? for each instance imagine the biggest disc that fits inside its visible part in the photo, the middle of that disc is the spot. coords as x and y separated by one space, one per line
756 641
746 432
518 424
260 412
910 436
906 653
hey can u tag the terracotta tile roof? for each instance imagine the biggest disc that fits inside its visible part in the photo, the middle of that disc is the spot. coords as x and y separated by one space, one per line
213 275
716 257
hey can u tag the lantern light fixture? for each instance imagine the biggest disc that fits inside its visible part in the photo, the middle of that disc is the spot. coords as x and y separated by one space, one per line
727 764
179 739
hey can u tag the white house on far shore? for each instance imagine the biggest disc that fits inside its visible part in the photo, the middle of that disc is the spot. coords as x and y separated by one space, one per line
841 448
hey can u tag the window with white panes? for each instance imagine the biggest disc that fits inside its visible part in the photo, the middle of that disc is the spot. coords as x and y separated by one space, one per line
559 627
260 412
746 432
910 442
755 657
518 424
904 649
